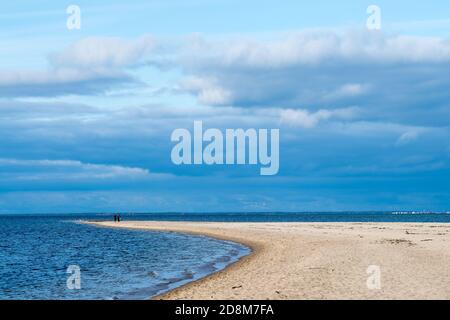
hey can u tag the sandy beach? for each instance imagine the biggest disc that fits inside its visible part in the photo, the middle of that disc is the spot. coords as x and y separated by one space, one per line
321 260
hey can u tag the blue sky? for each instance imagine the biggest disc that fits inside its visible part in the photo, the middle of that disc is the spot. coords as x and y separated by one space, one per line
86 115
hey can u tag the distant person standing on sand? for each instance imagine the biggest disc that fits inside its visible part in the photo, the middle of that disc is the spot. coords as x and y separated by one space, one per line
115 218
118 217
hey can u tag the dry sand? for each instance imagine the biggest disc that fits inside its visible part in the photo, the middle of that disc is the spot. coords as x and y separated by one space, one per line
321 260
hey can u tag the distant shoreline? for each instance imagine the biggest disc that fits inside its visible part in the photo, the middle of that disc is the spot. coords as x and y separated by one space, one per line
319 260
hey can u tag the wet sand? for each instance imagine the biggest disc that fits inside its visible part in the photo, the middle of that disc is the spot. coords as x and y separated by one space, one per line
321 260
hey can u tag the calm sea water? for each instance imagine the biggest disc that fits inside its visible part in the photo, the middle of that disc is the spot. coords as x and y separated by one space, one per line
36 250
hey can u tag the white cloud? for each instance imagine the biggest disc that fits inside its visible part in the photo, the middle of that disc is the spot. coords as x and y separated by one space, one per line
347 90
317 69
305 69
310 47
61 81
68 170
206 91
408 137
306 119
53 76
89 66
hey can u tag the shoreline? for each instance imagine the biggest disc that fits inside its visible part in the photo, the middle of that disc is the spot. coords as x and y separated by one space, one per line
322 260
254 249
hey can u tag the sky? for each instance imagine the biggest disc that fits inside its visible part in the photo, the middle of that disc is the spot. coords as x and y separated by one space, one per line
86 114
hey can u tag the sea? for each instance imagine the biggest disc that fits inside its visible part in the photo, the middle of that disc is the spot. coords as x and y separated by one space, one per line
56 257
